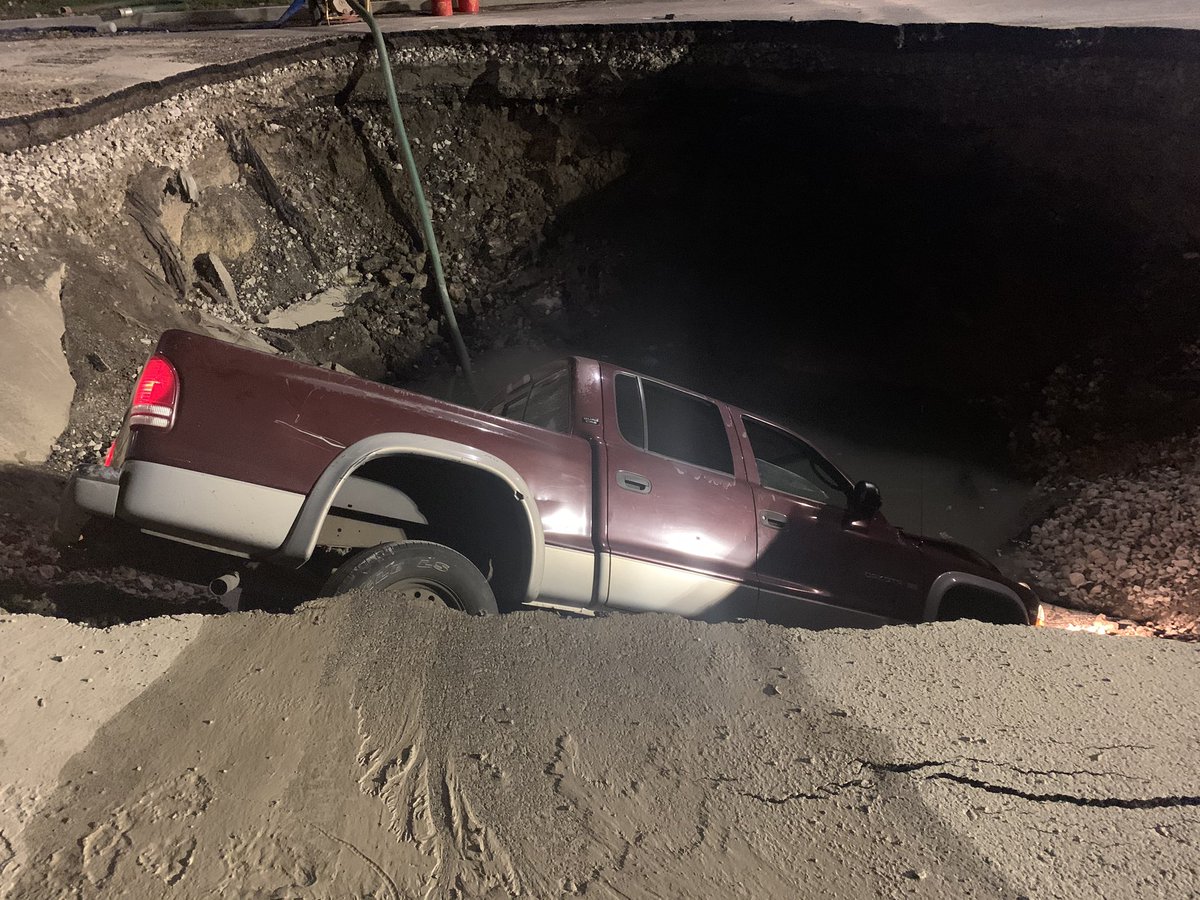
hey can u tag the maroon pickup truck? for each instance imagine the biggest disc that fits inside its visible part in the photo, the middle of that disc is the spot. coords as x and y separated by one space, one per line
584 485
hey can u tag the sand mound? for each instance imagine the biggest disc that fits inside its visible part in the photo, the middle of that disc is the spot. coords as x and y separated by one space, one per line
372 749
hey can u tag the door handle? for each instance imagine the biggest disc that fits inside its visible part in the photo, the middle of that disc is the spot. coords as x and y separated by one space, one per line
639 484
774 519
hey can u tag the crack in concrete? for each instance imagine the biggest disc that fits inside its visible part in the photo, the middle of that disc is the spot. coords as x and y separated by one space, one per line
825 792
1023 771
1164 802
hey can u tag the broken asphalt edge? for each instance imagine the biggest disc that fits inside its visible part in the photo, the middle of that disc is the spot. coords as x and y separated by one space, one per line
49 125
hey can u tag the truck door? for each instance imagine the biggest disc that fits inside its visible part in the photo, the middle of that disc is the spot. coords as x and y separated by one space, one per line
680 513
817 565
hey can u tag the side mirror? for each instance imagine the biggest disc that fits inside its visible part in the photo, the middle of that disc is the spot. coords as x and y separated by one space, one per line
866 499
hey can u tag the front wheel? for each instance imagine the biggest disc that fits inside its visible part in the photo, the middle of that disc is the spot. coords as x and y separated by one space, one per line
417 570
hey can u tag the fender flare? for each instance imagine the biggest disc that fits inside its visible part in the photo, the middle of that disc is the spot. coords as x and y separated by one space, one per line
948 580
302 538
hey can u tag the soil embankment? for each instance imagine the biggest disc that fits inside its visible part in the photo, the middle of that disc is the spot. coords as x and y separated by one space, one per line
368 748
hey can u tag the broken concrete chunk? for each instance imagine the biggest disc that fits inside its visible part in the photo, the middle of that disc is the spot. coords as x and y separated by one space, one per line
373 264
211 291
323 307
419 281
32 364
210 268
188 189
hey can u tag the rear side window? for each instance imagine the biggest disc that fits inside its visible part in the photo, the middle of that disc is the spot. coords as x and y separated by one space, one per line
549 403
513 406
671 423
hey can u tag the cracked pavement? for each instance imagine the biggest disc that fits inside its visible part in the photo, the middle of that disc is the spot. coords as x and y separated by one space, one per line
366 747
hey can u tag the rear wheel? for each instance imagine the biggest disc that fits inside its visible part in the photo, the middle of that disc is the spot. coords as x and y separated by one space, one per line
417 570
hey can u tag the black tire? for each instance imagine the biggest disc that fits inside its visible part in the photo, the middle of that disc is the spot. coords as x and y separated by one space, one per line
418 569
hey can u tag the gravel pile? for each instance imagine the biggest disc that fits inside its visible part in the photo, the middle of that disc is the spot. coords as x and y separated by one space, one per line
1128 544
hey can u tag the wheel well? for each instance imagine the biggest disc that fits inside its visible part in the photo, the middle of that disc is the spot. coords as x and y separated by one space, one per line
469 510
968 602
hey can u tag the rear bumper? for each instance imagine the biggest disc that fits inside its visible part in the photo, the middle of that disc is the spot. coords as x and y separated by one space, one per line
216 512
91 492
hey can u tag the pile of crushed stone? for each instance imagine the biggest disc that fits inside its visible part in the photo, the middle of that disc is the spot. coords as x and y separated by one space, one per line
369 748
1129 544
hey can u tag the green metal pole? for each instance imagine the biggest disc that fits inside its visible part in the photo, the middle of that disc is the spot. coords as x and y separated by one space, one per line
414 179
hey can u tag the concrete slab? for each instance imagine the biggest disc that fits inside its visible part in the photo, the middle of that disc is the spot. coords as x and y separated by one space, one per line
328 304
36 387
64 72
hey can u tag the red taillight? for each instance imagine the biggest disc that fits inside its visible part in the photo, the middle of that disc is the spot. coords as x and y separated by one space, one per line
108 457
156 394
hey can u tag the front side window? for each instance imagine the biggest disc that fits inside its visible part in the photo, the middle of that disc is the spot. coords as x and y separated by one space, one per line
672 423
787 464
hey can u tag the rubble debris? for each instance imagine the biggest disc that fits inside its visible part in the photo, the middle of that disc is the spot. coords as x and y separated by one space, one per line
1128 544
210 269
242 147
188 189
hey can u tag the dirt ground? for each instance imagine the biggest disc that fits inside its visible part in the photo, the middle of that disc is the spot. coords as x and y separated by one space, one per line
368 748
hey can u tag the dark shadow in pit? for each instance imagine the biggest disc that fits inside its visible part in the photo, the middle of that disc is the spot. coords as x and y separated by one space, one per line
898 246
95 602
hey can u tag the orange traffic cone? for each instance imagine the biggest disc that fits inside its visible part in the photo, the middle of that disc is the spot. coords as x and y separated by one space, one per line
470 7
442 7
